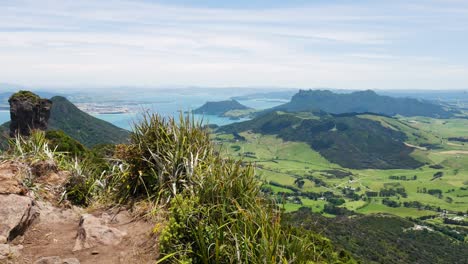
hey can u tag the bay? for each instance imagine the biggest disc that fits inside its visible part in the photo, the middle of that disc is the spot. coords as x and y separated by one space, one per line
170 104
167 109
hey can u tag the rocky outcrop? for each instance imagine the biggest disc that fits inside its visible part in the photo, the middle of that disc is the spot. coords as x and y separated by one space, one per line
28 112
95 231
9 251
10 178
17 213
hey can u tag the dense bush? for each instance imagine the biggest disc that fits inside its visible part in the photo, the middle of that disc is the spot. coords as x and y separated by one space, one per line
64 143
385 239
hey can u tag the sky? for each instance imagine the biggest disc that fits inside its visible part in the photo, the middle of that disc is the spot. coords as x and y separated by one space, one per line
350 44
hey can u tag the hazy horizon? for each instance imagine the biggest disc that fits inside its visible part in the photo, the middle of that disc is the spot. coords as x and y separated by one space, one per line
241 90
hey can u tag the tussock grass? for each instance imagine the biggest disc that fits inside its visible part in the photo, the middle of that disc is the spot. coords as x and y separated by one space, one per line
89 181
163 156
33 148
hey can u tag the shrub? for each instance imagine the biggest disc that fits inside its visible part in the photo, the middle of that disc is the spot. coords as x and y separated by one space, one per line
227 220
64 143
89 182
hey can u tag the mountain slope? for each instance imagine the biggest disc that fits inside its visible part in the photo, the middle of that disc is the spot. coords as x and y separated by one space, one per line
83 127
348 140
4 135
360 102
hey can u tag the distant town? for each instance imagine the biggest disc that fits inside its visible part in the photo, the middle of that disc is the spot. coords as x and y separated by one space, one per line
96 108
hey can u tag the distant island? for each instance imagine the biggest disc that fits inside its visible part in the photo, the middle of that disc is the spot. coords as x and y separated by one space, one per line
228 108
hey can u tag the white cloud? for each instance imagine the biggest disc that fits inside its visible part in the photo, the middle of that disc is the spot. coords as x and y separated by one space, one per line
134 43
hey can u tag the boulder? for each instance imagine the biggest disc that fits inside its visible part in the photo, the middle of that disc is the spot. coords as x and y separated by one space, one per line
42 168
52 215
57 260
10 179
28 112
94 231
53 186
17 213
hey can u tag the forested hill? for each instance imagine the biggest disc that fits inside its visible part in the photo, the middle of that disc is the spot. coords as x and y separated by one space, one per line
362 101
348 140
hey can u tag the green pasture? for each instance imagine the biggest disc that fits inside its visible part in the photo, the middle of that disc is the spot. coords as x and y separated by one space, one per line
281 162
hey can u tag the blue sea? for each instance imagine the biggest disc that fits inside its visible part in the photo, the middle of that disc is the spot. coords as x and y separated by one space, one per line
169 104
4 116
174 108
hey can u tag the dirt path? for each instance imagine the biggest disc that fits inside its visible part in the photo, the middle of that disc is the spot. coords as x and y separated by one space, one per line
55 234
41 227
414 146
454 144
454 152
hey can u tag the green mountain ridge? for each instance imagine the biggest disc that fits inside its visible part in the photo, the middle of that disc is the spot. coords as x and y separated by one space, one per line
347 140
360 102
86 129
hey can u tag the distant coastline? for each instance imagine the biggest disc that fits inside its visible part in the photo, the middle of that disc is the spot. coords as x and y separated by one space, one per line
112 112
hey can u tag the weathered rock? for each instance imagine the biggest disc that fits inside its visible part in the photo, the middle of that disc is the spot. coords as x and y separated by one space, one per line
71 261
53 186
10 179
54 179
42 168
17 213
51 215
57 260
9 251
49 260
94 231
28 112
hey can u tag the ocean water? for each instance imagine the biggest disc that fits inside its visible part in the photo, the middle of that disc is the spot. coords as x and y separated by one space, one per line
175 107
170 104
4 116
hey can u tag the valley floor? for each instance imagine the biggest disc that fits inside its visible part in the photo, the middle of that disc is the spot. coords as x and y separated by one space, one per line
294 171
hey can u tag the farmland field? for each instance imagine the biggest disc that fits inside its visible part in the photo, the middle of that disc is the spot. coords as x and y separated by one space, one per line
300 176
